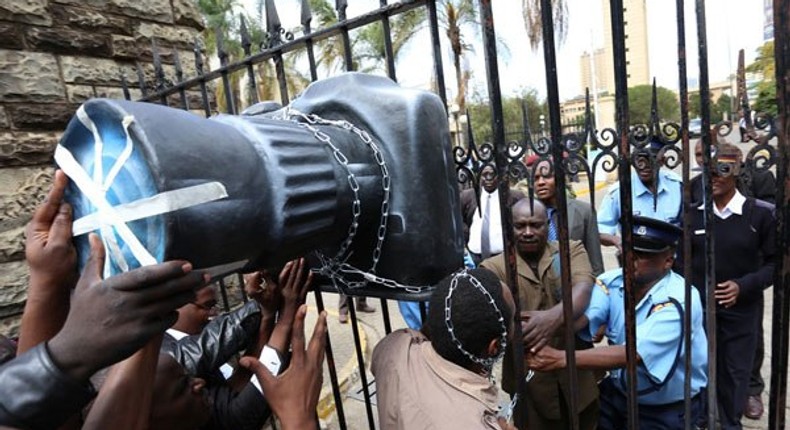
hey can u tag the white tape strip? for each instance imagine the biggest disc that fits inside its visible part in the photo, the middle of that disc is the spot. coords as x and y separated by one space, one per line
167 201
111 220
107 235
105 211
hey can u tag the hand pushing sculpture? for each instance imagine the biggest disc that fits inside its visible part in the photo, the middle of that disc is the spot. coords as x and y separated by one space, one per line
356 168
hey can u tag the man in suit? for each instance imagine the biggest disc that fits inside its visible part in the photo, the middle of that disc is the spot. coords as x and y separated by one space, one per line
483 227
582 223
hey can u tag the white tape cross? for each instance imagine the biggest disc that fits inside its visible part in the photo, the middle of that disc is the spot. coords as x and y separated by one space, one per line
106 218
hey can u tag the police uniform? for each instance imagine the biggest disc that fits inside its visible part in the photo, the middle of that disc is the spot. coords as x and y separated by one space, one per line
659 340
666 208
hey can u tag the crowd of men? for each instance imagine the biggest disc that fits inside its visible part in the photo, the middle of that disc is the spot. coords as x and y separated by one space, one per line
149 349
744 263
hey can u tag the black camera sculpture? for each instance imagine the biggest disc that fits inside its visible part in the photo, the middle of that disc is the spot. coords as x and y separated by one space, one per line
356 168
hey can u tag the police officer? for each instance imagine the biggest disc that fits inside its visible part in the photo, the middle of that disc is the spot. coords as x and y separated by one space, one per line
656 196
660 305
745 254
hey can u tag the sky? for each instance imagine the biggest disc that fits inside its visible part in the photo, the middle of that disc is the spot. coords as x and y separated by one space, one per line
731 25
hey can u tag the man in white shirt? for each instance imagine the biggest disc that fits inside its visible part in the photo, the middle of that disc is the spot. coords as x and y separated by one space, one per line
483 227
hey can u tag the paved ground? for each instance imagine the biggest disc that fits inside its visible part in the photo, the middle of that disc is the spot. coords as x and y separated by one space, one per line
372 330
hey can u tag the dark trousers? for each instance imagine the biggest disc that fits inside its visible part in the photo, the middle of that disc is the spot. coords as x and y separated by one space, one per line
756 382
588 417
735 347
614 411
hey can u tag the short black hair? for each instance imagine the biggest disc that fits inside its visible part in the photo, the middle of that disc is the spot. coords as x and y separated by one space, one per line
475 321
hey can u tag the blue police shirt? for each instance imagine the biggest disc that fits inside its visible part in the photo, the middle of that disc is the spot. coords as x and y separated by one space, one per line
670 195
658 334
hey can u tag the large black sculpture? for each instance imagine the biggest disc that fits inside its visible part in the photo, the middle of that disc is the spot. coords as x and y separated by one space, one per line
356 167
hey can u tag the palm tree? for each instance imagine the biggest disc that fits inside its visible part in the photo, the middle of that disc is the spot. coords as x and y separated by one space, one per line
368 43
370 48
454 17
534 25
221 17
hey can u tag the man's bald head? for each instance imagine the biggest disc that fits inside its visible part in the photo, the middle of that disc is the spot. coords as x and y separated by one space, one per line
536 207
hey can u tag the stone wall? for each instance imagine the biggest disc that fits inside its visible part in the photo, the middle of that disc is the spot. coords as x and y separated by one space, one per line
54 55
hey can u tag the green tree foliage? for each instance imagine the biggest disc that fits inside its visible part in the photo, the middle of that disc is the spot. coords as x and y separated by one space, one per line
639 104
765 65
480 113
367 44
717 108
723 106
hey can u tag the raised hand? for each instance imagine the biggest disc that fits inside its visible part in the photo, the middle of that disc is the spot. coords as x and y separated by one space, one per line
112 318
538 328
52 260
50 255
293 396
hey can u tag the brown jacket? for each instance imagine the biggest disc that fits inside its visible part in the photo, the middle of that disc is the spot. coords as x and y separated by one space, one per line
540 292
418 389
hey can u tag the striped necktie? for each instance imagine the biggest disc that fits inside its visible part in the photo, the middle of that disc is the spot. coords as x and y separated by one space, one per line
552 225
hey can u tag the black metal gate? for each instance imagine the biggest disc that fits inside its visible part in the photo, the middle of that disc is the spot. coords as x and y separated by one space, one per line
617 148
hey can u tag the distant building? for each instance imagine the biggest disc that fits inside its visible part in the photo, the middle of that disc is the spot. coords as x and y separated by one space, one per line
600 62
636 50
768 20
597 64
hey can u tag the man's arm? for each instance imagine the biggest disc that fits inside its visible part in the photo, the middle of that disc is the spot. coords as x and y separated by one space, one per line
609 219
293 395
599 358
52 260
542 325
752 284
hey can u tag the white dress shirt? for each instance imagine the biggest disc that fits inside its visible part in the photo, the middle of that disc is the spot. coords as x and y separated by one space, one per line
495 224
733 207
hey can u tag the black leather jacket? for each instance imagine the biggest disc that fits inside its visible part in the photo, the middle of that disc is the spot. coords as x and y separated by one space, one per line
201 355
36 394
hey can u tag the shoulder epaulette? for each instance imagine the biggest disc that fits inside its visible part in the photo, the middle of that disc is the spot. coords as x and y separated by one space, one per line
600 283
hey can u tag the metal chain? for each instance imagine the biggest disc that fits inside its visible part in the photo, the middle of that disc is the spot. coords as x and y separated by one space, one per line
356 205
336 267
488 362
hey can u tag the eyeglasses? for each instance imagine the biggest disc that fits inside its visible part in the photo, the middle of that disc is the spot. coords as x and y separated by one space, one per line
208 306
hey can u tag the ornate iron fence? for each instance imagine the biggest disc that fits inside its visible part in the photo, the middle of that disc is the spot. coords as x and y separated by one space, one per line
619 148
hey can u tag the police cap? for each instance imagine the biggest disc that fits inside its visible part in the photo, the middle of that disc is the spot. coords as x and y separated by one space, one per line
652 235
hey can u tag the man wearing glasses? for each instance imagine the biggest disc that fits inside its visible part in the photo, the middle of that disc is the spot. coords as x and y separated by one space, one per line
194 316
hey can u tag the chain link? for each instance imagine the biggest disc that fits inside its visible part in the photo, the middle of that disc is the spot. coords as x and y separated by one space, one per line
487 362
337 268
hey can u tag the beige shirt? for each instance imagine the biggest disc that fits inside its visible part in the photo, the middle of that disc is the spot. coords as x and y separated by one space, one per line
418 389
